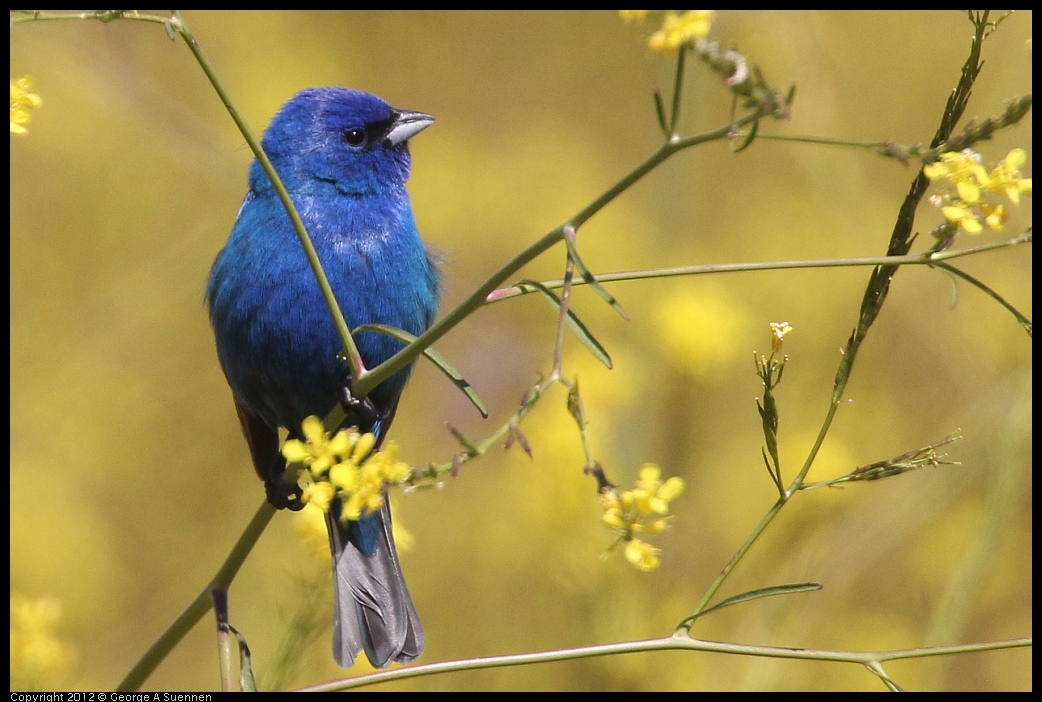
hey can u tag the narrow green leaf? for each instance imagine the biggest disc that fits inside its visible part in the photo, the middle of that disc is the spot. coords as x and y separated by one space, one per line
435 358
750 137
574 324
466 443
776 478
575 405
1021 319
764 592
519 437
660 111
591 281
246 679
791 95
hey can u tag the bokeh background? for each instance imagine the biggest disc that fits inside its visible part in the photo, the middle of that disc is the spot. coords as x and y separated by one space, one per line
130 480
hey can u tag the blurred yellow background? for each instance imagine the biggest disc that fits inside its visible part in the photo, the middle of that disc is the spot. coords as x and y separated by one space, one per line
130 480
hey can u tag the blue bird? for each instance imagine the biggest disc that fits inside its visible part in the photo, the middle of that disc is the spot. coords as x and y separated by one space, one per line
343 156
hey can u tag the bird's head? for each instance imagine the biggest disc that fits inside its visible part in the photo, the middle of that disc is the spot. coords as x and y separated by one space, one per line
350 140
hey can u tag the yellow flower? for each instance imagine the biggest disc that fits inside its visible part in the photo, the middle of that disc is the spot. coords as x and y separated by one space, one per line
392 471
40 660
642 555
310 525
681 29
651 494
612 510
403 538
637 511
344 467
318 452
969 192
656 526
935 170
967 207
344 475
369 477
21 101
994 215
319 495
633 15
778 333
957 166
362 448
961 215
1005 178
655 494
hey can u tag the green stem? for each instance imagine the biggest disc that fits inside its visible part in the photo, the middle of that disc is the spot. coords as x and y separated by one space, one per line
678 85
532 397
824 141
875 296
101 15
562 316
177 24
353 358
685 626
1024 321
200 605
908 260
476 299
367 380
669 643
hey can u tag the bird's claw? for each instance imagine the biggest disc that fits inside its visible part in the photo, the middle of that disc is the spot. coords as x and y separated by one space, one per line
363 410
283 496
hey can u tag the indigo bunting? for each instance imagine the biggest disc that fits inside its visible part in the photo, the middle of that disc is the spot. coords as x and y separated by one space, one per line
343 156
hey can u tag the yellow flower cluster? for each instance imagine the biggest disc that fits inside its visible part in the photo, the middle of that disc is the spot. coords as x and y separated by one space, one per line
343 467
967 206
677 28
39 659
21 100
642 510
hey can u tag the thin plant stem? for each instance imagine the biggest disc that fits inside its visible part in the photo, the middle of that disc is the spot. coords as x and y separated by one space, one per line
875 296
1024 321
678 88
562 317
201 604
354 359
479 296
669 643
176 25
653 273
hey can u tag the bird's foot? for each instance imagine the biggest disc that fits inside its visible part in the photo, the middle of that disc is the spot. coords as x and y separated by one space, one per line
282 495
363 410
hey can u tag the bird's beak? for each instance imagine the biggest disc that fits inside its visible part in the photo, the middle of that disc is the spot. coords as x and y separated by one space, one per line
407 125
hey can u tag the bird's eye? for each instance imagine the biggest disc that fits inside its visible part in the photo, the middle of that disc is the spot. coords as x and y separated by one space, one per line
354 137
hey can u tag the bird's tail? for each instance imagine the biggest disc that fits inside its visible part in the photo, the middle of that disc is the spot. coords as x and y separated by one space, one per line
373 610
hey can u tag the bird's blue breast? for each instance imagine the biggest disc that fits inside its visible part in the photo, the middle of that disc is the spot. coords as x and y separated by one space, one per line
275 337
